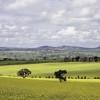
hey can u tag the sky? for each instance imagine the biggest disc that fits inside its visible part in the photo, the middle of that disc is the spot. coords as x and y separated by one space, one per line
34 23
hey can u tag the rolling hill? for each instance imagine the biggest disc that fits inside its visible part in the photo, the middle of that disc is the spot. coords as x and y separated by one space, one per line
48 51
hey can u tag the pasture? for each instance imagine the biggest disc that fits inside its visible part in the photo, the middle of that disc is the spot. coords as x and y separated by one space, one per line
74 69
38 89
17 88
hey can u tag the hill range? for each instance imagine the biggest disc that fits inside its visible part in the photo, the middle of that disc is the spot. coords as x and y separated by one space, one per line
64 47
48 51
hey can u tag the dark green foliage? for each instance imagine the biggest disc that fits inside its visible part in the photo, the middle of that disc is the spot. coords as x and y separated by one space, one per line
84 77
68 77
78 77
77 58
8 61
23 73
48 76
95 58
66 59
84 59
60 75
96 77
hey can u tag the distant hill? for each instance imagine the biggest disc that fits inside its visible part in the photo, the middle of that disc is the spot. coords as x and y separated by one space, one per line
98 47
47 51
48 48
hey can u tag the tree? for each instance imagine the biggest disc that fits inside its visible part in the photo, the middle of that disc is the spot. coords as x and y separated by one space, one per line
77 58
45 58
95 58
60 75
23 73
85 59
66 59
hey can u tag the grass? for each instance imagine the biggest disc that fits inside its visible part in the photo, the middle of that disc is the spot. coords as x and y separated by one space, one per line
31 89
17 88
47 69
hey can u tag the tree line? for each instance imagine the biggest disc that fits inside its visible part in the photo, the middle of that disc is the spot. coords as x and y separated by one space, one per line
9 61
82 59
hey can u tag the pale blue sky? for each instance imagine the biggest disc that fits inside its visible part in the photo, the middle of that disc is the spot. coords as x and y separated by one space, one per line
33 23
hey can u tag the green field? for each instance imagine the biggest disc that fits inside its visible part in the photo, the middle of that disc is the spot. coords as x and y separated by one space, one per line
35 89
75 69
17 88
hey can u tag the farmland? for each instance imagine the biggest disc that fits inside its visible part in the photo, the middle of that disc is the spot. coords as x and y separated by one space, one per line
30 88
47 69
